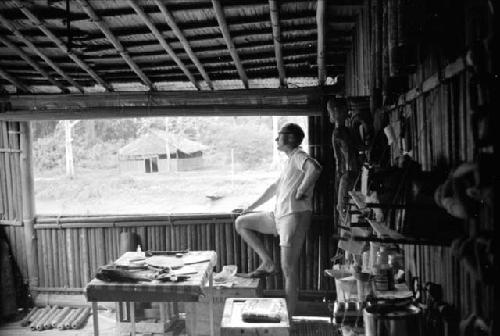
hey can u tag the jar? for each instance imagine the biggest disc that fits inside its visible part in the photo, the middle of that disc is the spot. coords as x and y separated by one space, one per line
383 275
382 256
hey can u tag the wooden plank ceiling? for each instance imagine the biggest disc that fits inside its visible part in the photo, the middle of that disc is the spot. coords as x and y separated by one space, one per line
95 46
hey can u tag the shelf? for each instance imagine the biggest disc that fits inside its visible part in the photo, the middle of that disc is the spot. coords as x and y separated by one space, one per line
383 234
403 241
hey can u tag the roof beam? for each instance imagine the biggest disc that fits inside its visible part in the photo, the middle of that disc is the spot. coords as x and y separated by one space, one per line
163 43
115 42
31 62
275 21
185 44
161 111
283 101
60 44
219 14
14 81
320 20
6 23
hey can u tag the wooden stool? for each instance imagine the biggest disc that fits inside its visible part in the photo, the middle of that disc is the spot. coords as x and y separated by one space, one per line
198 317
232 324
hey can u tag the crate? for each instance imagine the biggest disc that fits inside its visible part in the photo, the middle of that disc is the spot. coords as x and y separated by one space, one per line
198 313
233 325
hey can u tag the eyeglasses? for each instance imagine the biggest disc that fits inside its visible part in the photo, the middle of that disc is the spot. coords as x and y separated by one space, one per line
280 134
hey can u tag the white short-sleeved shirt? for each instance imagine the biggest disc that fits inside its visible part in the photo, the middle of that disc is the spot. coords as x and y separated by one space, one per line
289 181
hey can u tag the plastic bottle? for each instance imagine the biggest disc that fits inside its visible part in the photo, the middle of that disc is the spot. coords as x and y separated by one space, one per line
139 251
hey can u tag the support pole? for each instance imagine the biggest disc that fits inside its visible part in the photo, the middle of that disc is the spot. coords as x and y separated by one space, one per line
28 204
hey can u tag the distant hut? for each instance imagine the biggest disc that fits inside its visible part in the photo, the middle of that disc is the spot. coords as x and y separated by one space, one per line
148 154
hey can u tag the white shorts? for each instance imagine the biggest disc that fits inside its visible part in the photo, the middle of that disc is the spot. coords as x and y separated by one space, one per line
291 228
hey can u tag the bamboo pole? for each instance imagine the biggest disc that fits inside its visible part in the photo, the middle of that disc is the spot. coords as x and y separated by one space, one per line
48 252
76 257
218 245
229 244
41 323
50 317
92 248
69 254
8 178
101 259
3 182
69 322
59 317
64 324
80 318
55 251
26 320
84 257
46 270
15 169
235 244
43 312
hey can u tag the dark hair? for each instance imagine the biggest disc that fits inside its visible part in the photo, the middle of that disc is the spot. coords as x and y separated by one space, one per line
295 130
338 102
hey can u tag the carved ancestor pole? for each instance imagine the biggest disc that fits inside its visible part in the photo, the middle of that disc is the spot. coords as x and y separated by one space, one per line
28 204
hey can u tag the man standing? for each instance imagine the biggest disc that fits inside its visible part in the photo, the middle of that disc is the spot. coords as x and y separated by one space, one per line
291 217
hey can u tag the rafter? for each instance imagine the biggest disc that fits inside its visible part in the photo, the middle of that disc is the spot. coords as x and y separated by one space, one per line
219 14
6 23
115 42
31 62
184 42
275 21
320 20
162 42
60 44
14 81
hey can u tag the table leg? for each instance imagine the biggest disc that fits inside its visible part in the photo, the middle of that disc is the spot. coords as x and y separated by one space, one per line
132 317
118 306
163 313
211 302
95 318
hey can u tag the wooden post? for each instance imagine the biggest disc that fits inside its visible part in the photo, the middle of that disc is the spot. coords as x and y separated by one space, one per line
28 204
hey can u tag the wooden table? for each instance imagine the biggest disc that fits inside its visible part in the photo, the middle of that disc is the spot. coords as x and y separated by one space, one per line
155 291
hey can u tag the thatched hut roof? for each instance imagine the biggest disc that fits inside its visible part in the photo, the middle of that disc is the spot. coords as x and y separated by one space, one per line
154 143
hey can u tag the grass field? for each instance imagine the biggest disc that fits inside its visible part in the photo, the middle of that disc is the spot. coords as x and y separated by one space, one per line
112 192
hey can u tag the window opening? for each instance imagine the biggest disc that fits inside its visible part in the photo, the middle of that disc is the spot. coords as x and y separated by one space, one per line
156 165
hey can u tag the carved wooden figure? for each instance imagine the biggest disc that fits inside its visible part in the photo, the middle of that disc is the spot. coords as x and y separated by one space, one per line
346 156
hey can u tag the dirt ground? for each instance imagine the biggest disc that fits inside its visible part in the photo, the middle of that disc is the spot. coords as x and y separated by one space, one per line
108 192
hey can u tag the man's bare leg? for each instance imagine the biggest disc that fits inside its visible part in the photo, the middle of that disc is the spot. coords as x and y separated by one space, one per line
290 260
247 226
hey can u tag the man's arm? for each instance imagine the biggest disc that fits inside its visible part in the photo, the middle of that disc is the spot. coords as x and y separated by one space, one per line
312 170
266 196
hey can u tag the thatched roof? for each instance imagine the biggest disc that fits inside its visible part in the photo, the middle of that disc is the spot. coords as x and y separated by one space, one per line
154 143
164 45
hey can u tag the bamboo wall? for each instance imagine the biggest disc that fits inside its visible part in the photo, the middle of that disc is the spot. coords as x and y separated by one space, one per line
71 249
414 66
440 127
10 193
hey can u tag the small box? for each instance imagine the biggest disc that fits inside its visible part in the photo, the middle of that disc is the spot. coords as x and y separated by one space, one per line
232 323
198 314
